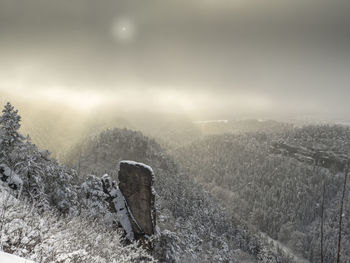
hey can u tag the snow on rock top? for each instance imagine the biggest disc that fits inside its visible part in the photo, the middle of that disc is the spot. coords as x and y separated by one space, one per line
9 258
138 164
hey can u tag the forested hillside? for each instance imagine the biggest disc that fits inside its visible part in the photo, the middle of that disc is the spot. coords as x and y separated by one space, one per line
214 197
198 227
47 207
278 195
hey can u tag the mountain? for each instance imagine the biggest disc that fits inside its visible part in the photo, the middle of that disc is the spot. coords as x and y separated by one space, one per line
58 128
54 213
195 227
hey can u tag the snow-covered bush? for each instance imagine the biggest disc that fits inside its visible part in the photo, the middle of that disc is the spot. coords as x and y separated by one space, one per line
47 237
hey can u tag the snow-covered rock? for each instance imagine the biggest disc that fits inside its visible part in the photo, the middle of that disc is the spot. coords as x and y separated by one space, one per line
131 204
10 177
121 207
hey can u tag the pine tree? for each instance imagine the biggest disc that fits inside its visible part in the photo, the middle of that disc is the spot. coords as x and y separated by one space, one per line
10 138
9 126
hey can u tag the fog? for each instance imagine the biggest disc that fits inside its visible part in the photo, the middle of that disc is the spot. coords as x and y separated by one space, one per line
202 58
205 130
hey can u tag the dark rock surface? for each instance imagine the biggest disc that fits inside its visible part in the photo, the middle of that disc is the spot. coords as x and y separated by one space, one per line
136 184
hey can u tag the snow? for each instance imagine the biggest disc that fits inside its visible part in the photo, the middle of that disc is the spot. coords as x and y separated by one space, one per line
122 214
8 258
138 164
10 176
120 205
279 246
7 171
15 180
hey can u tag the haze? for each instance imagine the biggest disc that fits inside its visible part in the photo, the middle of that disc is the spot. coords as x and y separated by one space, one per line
203 58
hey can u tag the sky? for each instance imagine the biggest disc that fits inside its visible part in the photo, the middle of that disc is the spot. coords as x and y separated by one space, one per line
204 58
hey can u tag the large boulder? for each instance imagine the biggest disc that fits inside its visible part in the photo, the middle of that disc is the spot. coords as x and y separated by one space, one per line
136 185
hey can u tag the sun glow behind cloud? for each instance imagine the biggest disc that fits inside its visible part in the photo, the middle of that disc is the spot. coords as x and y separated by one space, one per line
56 96
137 98
80 100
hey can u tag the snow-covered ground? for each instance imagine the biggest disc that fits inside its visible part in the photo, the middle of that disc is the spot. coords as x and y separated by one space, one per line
8 258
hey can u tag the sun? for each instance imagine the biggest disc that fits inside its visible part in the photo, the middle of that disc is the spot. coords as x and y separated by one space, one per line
123 30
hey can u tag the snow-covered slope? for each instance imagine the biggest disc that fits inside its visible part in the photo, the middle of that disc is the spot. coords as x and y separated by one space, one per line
48 237
8 258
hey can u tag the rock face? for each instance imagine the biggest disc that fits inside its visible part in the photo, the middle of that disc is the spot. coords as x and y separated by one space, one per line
326 159
136 185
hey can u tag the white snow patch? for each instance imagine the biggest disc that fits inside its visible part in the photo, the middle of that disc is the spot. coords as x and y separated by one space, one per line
9 258
122 214
138 164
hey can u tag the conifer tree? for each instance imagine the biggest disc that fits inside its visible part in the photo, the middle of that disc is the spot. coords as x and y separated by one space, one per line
9 126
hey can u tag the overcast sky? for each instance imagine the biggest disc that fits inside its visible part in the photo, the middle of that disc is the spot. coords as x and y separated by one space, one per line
215 57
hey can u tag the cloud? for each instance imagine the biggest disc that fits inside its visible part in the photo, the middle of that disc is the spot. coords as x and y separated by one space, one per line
283 53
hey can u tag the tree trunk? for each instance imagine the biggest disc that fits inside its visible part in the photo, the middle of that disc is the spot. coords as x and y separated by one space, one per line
341 212
322 217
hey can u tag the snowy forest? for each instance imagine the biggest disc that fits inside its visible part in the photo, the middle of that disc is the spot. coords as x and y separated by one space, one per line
220 197
174 131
